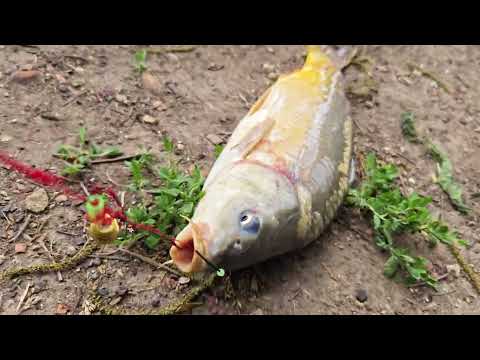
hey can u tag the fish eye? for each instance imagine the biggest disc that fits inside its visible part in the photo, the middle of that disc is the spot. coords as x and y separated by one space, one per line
245 219
249 222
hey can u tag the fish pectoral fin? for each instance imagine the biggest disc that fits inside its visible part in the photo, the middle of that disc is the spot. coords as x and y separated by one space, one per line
250 140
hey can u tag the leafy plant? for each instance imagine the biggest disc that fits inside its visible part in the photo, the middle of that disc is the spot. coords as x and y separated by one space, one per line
394 214
173 202
78 158
141 61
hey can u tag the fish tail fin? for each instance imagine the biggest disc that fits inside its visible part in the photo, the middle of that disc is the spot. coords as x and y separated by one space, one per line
321 56
317 58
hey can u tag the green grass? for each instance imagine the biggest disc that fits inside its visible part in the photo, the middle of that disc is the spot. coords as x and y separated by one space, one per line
79 158
393 214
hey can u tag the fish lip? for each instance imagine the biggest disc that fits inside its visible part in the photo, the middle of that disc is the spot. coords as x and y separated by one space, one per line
189 262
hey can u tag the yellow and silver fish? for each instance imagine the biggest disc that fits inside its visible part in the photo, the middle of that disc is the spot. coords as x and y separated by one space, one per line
282 176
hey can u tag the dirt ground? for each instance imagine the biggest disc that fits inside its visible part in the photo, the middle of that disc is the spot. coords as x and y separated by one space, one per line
206 92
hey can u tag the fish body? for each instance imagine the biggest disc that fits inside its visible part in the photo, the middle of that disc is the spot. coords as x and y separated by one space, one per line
281 177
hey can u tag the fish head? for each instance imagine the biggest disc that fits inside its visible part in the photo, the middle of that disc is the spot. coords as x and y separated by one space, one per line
236 220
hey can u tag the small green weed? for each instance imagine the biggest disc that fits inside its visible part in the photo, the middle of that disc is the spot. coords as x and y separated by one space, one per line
408 127
141 61
394 214
218 150
78 158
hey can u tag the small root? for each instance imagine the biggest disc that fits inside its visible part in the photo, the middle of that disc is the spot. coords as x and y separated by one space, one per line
432 77
472 275
175 49
176 307
67 264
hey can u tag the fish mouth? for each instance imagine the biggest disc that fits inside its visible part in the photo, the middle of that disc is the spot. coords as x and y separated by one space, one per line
188 244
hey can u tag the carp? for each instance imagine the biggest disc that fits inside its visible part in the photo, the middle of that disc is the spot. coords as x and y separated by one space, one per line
281 177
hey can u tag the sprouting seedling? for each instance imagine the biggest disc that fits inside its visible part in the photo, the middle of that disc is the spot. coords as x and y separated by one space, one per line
140 60
79 158
168 144
82 134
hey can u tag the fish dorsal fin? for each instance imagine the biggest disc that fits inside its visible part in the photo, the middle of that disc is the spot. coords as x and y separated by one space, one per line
317 58
246 143
251 130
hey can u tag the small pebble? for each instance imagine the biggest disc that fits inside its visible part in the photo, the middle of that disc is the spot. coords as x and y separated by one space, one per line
103 292
147 119
465 120
258 312
93 275
272 76
156 301
37 201
78 83
39 286
61 198
78 241
5 138
95 262
361 295
159 105
20 248
455 269
115 301
183 280
214 139
70 251
121 99
268 68
121 290
62 309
